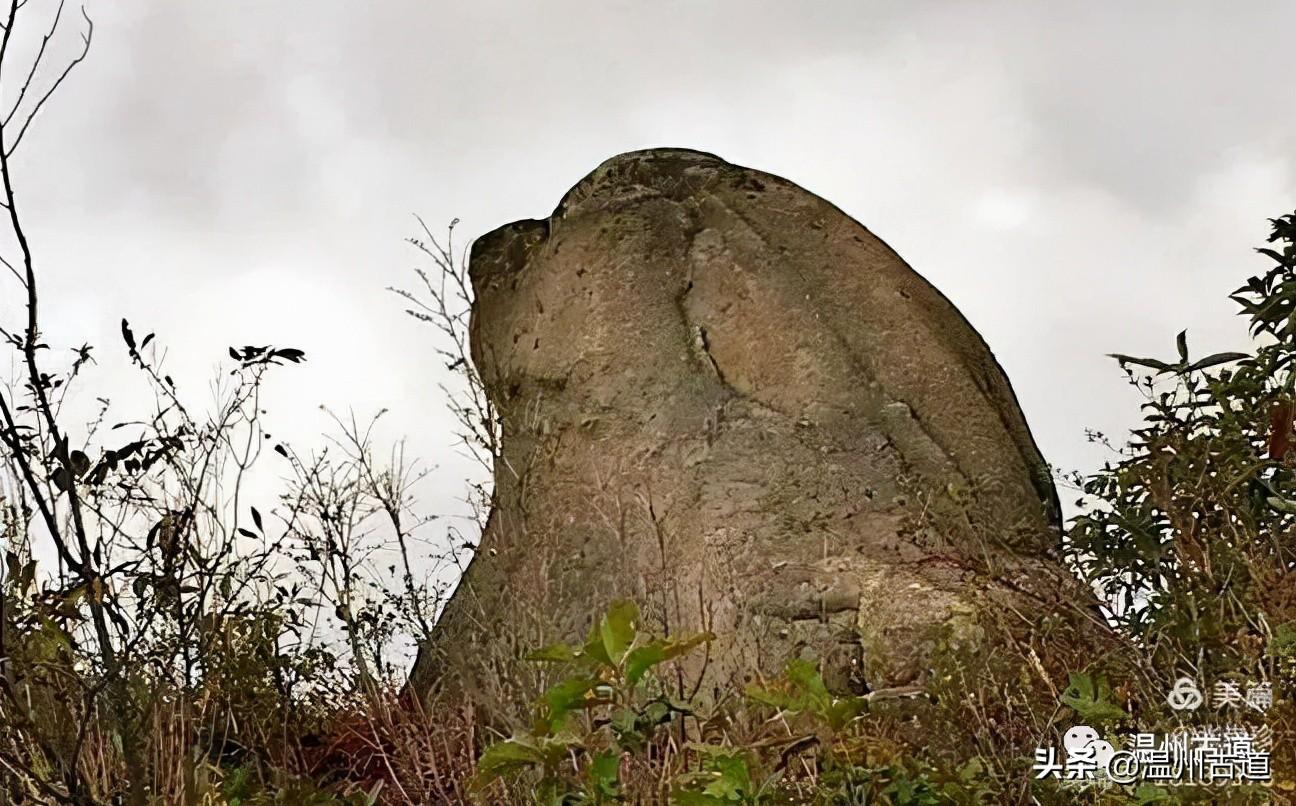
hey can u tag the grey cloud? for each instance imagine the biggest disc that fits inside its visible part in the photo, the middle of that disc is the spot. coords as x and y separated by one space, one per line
1080 178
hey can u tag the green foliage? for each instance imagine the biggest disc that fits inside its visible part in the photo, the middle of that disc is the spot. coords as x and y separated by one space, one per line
897 785
523 753
1190 532
609 675
609 714
1089 696
725 778
1147 795
802 691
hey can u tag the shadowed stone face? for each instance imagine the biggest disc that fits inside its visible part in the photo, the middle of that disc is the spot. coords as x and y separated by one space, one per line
724 398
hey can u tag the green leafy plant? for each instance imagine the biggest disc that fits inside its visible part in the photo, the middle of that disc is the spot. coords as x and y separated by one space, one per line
1189 533
801 690
1090 697
610 684
725 777
895 785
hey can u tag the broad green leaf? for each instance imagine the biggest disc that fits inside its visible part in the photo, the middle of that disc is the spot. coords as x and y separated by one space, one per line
564 697
1088 697
805 677
503 758
605 772
520 753
658 651
554 653
802 690
594 650
617 629
735 779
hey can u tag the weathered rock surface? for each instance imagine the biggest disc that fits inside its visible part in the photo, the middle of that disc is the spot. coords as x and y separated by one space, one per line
724 398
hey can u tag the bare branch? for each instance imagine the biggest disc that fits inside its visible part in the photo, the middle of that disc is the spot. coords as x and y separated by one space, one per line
10 266
36 62
85 50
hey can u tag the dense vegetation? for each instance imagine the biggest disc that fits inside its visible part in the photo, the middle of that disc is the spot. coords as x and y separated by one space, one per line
165 644
166 639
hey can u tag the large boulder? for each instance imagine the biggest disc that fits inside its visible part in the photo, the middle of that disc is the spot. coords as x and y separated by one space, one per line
727 400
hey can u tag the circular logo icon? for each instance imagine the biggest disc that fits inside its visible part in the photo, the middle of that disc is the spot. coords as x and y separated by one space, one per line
1185 696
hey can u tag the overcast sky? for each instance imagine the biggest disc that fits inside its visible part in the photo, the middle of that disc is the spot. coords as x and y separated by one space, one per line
1079 178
